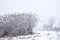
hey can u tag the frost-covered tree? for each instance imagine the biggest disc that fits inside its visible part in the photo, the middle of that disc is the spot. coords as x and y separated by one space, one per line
17 24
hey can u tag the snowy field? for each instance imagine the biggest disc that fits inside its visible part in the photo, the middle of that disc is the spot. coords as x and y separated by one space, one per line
39 35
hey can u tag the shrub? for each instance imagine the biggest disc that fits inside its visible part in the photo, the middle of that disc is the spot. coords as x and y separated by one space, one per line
17 24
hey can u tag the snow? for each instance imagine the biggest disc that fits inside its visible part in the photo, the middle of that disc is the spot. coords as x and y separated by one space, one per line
41 35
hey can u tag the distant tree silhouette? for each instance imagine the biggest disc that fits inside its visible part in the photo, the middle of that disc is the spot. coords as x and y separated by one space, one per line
50 24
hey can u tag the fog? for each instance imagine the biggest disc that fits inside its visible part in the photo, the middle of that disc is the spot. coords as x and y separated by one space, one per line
43 8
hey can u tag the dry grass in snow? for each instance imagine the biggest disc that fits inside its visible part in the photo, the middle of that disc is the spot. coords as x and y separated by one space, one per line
42 35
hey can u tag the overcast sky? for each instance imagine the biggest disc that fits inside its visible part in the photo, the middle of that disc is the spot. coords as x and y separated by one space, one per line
44 8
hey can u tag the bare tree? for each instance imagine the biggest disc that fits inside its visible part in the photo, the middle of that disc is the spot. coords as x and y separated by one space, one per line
50 24
51 21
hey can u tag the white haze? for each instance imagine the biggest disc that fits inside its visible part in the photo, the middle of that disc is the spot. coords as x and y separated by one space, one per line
44 8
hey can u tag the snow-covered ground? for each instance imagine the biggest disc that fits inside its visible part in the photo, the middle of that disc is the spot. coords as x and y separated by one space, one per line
39 35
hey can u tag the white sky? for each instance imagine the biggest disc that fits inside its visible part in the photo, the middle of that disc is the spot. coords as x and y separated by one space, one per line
44 8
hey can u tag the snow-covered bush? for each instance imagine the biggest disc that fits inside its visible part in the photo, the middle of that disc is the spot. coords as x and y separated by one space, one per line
17 24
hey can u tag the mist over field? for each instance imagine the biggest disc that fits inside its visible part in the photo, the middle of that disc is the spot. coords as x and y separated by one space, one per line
46 11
